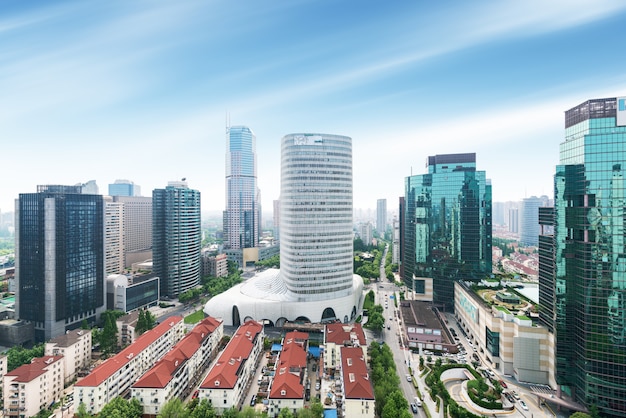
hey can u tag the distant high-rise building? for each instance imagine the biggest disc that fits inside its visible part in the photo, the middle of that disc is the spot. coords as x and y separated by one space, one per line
448 224
176 237
276 216
366 232
89 188
124 188
513 220
582 263
242 215
113 236
395 243
529 220
381 216
137 228
59 259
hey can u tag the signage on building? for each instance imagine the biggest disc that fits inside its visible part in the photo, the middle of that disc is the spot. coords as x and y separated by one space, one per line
621 111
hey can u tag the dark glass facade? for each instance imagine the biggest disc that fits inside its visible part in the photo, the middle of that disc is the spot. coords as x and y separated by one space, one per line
176 238
587 274
60 259
142 294
447 225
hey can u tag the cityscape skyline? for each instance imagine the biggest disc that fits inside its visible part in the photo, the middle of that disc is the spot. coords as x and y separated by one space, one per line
143 91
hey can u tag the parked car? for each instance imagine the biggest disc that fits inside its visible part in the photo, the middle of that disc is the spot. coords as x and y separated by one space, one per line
524 407
503 383
515 395
409 378
253 400
414 408
317 386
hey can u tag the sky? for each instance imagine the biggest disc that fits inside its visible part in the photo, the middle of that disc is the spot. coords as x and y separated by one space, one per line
143 90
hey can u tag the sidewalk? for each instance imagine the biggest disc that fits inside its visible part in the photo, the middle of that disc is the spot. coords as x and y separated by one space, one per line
427 402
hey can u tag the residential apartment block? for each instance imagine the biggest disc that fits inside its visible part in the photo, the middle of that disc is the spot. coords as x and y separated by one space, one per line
287 389
33 386
337 335
358 400
115 376
75 347
226 384
179 371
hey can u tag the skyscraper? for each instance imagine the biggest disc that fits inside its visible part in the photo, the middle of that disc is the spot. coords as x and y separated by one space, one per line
582 262
447 224
381 216
529 219
315 282
137 228
113 236
316 251
59 259
242 214
124 188
176 237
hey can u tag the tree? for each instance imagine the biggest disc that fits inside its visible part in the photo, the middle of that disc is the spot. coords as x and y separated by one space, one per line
82 411
580 415
122 408
145 322
173 409
203 410
285 413
317 409
108 338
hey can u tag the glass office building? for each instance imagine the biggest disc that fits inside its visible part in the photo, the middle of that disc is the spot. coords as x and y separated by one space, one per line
316 259
582 266
59 259
176 237
447 225
242 215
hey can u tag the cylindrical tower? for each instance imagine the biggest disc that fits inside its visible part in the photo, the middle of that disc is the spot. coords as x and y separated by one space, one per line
316 251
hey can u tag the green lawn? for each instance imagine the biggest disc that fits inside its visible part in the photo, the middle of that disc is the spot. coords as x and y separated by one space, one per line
195 317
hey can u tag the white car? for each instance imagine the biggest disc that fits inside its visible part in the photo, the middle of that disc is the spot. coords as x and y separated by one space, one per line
524 407
409 378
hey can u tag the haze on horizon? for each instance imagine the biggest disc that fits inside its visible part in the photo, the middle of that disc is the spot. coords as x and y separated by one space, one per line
143 90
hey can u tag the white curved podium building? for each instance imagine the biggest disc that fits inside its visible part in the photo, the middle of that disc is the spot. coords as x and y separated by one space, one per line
315 282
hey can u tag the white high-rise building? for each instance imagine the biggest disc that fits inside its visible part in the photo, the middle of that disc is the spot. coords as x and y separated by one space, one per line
381 216
113 236
316 250
315 281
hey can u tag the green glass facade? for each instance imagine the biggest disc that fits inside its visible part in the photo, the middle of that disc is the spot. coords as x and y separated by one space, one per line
447 225
582 270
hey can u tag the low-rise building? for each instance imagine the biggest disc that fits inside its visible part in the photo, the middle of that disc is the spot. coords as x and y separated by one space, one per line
337 335
115 376
33 386
75 347
510 342
126 328
358 391
179 371
226 384
287 390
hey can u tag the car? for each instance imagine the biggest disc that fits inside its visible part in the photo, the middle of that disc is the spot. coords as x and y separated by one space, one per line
409 378
503 383
388 327
515 395
317 386
491 373
391 318
523 404
414 408
253 400
417 401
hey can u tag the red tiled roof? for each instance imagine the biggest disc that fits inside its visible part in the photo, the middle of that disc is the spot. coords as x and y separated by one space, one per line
224 374
161 374
287 380
110 366
338 333
34 369
355 377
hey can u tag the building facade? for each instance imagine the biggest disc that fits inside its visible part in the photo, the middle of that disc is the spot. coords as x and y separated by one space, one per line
176 237
137 228
116 375
529 220
287 386
447 224
33 386
582 268
75 347
227 380
357 385
113 236
316 215
242 217
179 371
381 216
124 188
59 259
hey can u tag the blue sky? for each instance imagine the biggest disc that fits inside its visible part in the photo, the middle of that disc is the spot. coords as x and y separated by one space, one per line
140 90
